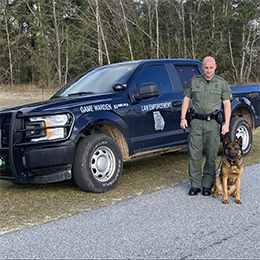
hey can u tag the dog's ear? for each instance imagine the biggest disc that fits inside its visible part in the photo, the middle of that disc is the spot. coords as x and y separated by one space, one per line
240 141
228 139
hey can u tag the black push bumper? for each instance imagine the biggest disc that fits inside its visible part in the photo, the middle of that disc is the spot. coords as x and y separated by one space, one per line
35 163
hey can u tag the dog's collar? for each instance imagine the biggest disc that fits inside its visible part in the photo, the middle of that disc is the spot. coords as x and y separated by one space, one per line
232 161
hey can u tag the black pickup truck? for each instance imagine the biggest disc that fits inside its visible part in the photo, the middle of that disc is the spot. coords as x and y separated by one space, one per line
104 117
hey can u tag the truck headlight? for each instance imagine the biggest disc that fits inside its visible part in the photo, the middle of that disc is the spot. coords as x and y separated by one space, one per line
45 128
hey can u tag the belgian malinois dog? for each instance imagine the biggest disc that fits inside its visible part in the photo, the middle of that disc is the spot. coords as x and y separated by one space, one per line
229 180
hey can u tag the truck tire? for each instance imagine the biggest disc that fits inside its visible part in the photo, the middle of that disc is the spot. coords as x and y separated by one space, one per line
240 127
97 163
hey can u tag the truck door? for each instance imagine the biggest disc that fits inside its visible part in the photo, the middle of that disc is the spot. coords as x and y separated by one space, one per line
155 121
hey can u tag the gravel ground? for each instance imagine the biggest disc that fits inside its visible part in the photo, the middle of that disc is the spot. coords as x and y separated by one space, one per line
166 225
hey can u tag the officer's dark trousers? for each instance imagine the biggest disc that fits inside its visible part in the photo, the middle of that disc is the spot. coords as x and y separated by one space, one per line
203 134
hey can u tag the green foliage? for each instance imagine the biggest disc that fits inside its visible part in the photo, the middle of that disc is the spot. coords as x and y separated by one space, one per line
37 52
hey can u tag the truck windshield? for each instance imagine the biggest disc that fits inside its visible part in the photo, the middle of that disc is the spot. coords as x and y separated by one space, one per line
100 80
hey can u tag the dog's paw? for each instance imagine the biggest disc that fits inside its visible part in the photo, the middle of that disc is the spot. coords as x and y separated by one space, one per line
225 201
238 201
215 195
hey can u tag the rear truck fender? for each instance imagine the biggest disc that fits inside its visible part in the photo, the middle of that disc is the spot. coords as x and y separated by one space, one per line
103 122
242 107
242 122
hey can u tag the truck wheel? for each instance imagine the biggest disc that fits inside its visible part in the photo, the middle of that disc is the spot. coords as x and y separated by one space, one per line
240 127
97 163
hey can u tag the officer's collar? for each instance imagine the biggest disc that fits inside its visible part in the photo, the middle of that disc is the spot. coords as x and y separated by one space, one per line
212 80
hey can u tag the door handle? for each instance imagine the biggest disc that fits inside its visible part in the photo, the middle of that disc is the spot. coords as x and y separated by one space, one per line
176 103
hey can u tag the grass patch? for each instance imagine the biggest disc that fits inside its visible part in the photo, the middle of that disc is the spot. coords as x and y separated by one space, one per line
27 205
23 94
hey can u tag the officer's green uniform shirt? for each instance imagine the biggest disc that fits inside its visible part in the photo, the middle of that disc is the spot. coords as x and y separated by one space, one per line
207 96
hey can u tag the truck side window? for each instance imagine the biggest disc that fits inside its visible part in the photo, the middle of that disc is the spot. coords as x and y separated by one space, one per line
157 74
186 73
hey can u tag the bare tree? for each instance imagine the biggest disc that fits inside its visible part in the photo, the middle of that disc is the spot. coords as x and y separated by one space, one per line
213 19
67 58
56 27
150 19
183 30
232 57
181 14
157 30
193 15
99 41
100 36
43 66
6 27
254 48
244 50
127 31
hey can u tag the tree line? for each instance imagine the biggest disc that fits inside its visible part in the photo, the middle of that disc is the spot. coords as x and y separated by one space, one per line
48 42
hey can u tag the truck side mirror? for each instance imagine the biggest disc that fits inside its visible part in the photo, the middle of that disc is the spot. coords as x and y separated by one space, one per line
148 90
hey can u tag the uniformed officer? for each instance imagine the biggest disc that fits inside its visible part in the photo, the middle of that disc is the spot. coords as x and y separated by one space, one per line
207 93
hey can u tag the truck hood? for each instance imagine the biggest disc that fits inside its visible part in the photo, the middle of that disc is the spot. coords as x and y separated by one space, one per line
59 103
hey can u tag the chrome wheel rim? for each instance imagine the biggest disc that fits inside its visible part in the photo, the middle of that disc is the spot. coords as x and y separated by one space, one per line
242 131
103 164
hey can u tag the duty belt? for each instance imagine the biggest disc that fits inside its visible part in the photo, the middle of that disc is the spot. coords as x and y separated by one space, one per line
205 117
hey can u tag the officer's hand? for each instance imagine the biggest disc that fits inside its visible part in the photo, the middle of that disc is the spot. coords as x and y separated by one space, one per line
184 123
225 129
